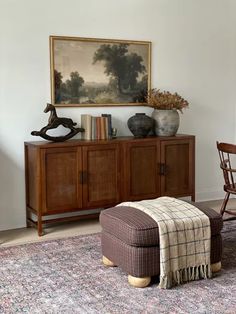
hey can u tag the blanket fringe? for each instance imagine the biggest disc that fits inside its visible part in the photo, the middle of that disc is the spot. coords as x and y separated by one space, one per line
184 275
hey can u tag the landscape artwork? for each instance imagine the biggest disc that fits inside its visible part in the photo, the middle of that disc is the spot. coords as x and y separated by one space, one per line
99 72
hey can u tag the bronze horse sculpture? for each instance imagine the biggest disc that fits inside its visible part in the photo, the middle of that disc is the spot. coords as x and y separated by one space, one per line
53 122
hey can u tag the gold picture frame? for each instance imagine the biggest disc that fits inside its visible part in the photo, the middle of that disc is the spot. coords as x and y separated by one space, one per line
99 72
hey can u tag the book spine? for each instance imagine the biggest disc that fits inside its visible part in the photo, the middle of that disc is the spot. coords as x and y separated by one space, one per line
106 128
103 128
109 124
86 121
93 131
98 128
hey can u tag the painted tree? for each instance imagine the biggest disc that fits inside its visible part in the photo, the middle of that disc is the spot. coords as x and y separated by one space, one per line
73 85
124 68
134 67
58 82
58 79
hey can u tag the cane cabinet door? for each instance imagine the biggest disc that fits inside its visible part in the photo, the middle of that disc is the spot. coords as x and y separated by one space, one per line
177 167
141 170
61 189
101 175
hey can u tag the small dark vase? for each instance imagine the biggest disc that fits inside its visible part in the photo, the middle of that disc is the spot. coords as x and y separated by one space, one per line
140 124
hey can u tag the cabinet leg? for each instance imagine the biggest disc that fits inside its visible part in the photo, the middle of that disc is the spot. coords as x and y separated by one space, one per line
193 197
40 226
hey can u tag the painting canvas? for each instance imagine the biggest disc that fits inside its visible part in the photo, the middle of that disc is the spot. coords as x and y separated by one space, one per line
99 72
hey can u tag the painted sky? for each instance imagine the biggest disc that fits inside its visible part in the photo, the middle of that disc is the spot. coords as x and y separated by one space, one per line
74 55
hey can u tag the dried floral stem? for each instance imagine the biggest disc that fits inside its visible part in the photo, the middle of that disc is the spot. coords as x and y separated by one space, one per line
165 100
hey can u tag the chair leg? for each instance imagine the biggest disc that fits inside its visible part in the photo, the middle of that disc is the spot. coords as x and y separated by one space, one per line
224 203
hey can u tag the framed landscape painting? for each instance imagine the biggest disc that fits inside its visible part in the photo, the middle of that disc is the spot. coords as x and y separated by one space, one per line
99 72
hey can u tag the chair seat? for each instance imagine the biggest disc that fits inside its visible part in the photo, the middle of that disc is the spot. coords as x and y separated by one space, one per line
136 228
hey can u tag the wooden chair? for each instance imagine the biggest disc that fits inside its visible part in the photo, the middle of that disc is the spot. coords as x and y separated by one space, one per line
227 153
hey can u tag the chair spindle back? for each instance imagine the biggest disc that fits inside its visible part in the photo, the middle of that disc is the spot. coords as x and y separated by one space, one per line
226 152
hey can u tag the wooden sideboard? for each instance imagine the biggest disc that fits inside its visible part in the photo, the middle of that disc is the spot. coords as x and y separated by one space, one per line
80 175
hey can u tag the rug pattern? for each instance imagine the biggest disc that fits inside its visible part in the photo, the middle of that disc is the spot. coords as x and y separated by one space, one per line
67 276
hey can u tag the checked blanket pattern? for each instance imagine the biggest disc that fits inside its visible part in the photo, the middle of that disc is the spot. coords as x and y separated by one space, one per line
185 239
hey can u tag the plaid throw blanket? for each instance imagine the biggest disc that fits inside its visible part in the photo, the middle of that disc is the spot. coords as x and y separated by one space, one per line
185 239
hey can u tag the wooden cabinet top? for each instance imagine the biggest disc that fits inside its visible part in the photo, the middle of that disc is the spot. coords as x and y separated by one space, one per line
79 142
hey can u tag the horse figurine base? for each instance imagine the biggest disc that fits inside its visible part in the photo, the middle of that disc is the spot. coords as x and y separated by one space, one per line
53 122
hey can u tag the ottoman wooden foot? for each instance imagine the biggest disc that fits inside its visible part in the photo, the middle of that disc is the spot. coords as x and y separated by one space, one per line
139 282
107 262
216 267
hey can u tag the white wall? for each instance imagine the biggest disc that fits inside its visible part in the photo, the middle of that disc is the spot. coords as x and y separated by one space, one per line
194 53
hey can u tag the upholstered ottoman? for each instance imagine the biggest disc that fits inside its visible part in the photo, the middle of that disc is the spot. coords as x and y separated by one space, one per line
130 240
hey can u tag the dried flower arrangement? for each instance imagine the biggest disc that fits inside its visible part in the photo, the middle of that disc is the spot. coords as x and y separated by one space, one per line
165 100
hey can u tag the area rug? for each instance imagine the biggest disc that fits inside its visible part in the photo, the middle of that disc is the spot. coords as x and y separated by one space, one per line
67 276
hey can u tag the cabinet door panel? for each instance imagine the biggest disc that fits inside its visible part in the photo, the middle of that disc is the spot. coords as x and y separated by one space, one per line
62 191
177 158
141 170
101 185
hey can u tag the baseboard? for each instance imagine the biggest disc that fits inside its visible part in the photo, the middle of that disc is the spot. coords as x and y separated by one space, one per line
6 227
209 195
21 225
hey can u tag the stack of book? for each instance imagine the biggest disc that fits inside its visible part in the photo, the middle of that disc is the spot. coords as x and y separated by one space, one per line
96 128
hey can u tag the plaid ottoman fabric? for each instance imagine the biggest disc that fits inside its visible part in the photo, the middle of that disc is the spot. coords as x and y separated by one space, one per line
130 238
136 228
144 261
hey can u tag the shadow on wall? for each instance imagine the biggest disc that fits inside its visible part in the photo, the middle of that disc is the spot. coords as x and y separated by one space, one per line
12 194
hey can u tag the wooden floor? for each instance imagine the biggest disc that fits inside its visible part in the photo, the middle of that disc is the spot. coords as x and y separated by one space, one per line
28 235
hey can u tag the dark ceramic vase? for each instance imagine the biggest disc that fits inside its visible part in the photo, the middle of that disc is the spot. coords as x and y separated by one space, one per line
140 124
